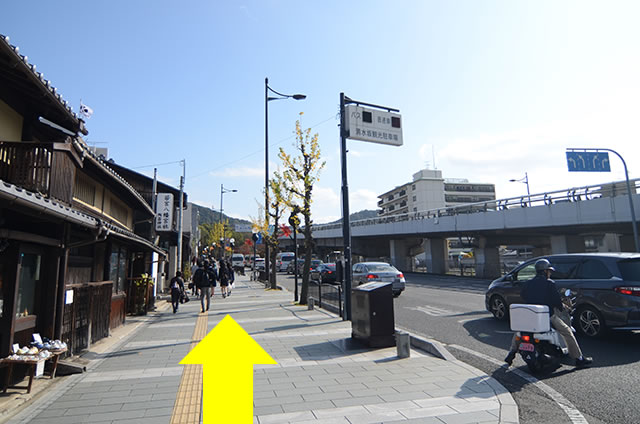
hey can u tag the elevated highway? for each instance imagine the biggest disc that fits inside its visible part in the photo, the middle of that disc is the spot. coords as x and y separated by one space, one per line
570 220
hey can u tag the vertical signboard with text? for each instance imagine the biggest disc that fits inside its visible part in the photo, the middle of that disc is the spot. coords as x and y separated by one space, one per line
164 212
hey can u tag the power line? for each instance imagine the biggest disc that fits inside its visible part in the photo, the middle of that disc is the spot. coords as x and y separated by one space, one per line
255 153
232 162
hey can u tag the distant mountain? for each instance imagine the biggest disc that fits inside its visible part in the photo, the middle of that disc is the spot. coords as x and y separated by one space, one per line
365 214
209 216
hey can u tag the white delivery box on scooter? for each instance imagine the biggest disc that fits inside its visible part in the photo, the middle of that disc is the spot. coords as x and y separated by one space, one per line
529 318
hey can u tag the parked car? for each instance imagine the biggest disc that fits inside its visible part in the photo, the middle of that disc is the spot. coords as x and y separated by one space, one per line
260 264
237 260
291 265
283 259
607 287
248 260
325 273
366 272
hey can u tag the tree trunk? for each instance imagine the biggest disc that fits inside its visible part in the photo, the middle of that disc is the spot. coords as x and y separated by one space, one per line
272 274
308 252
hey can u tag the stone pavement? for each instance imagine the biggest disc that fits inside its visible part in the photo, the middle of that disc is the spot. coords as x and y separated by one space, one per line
321 376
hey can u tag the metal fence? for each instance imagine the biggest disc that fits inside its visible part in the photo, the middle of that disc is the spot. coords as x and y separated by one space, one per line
326 296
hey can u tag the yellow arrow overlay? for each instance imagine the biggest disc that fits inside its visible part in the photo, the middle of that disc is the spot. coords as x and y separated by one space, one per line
227 355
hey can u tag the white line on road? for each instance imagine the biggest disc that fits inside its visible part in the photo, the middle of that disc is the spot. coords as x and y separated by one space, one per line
572 412
432 310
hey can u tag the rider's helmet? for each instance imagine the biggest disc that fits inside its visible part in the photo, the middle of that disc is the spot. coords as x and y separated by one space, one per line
543 265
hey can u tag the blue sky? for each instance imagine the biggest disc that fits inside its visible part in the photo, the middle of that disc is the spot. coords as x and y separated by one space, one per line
488 90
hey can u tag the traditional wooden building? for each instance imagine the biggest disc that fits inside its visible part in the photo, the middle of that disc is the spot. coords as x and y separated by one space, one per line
167 240
69 251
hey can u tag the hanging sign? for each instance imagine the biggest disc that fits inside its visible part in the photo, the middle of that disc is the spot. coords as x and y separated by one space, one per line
588 162
164 212
373 125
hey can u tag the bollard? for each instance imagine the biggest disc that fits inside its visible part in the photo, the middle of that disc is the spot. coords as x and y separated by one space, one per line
403 344
310 304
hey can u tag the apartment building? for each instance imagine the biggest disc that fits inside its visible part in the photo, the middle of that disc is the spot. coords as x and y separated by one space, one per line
429 190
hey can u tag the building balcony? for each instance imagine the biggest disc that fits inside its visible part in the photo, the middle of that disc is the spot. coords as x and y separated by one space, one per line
45 168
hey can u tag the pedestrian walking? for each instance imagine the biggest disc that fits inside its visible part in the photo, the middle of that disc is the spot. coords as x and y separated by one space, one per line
223 277
194 267
177 290
213 277
201 280
232 278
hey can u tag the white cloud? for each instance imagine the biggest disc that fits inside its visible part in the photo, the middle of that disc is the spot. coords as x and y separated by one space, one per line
363 199
326 197
539 152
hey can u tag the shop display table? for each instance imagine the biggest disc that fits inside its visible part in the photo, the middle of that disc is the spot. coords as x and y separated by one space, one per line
32 364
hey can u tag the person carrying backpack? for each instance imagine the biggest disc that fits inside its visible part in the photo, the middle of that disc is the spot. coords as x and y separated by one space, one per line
213 277
201 280
177 289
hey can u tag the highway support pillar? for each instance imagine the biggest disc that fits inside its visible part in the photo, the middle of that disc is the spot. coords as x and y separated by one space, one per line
487 260
567 244
399 252
435 251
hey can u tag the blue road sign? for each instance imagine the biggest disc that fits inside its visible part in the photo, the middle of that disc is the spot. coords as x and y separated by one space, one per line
588 162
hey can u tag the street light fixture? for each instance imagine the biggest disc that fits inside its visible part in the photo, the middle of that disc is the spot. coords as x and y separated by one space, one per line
523 180
267 99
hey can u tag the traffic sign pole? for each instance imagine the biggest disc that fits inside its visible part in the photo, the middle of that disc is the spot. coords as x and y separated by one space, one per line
592 160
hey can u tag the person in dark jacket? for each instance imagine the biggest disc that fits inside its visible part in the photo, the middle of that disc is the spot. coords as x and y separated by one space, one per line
177 289
223 277
232 277
201 280
542 290
213 277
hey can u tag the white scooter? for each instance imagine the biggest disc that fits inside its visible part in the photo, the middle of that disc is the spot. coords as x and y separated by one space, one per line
540 345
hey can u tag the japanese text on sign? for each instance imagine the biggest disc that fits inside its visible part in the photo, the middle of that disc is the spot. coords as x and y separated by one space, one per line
164 212
377 126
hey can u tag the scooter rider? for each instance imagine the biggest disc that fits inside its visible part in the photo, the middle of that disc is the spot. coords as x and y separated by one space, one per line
541 290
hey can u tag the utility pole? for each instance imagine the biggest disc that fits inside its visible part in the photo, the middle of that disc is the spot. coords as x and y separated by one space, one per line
179 264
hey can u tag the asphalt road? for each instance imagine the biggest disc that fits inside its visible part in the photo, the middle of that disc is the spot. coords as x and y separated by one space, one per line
451 310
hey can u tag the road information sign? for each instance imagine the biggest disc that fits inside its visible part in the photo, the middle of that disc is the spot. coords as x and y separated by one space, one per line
588 162
374 125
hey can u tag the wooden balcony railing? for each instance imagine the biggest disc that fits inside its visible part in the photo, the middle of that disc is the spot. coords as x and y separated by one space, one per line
45 168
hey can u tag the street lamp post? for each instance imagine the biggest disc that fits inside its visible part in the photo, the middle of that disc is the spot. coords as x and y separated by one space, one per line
267 99
524 180
222 192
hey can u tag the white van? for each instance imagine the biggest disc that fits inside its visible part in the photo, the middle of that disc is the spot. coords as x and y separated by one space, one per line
237 260
283 259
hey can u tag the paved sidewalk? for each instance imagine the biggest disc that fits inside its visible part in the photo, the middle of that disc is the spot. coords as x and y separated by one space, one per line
321 377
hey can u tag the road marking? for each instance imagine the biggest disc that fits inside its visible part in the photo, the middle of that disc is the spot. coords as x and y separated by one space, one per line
432 310
462 321
572 412
188 405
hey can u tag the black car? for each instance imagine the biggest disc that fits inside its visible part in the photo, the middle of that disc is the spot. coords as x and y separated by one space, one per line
325 273
607 287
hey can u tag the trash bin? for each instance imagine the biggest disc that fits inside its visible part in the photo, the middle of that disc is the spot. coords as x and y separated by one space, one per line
372 319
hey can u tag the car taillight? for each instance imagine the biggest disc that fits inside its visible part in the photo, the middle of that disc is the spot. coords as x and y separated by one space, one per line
329 272
526 338
371 276
400 275
630 290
